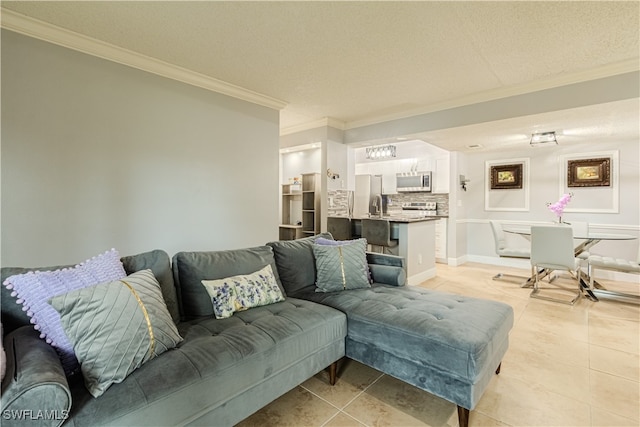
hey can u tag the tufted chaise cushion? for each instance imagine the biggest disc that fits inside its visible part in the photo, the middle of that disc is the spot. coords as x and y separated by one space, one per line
444 343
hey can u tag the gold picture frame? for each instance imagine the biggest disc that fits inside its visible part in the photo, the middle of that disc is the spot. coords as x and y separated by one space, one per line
506 176
589 172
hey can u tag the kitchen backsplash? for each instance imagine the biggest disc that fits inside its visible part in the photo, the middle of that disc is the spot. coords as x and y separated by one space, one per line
397 200
338 203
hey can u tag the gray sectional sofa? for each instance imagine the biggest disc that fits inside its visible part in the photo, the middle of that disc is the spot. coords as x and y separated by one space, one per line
226 369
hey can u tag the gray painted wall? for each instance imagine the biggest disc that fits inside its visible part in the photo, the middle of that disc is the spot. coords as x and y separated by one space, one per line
97 155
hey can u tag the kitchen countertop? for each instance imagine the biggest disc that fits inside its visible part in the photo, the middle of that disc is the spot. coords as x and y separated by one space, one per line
400 218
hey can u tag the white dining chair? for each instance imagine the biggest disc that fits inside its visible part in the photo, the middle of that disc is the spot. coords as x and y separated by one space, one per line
597 262
504 251
552 249
581 229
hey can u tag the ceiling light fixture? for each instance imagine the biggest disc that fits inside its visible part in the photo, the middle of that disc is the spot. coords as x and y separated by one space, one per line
540 138
381 152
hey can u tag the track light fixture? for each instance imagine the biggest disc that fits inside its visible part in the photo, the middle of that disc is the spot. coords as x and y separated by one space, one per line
381 152
541 138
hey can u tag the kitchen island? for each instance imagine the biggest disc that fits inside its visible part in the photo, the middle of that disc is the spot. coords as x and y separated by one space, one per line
416 243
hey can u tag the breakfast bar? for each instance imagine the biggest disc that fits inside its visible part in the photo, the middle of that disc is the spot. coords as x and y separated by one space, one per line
416 243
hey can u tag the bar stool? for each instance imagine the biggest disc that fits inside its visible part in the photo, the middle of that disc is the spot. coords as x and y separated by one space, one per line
339 227
378 233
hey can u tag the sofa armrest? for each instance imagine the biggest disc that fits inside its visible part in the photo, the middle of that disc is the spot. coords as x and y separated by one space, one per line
384 259
388 274
387 269
35 390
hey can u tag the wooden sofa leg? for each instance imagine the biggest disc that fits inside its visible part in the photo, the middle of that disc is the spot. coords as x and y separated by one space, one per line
333 373
463 416
498 370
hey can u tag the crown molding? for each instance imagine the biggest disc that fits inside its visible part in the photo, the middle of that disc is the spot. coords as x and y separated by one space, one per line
324 122
41 30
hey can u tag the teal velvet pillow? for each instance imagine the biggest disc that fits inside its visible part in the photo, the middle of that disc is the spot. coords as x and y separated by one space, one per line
115 327
341 267
238 293
295 262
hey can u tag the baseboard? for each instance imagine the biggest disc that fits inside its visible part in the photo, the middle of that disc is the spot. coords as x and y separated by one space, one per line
505 262
416 279
526 265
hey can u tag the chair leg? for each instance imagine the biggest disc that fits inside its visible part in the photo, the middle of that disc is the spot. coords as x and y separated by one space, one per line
536 289
503 276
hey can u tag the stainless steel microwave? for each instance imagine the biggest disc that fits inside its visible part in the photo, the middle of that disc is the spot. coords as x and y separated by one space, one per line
413 182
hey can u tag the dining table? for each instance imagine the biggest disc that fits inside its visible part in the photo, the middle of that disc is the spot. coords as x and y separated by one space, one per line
585 240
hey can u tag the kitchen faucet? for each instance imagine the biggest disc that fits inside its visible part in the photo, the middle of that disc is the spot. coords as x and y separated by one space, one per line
377 203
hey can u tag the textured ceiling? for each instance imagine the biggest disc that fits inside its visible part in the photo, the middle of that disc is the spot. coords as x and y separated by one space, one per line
361 62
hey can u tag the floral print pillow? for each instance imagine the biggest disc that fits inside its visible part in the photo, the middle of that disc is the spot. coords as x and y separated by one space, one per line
238 293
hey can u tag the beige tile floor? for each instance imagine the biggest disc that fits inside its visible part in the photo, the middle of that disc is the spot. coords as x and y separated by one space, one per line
566 366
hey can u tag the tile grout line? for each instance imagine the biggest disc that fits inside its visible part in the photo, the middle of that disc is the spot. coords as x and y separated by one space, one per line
341 410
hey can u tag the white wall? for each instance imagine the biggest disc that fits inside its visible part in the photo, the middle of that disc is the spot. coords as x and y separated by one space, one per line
338 162
545 178
296 163
98 155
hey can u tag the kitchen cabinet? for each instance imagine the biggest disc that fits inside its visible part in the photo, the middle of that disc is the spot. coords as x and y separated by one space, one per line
388 169
441 241
441 175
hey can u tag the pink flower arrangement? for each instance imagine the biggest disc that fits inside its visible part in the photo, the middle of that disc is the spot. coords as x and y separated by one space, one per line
558 207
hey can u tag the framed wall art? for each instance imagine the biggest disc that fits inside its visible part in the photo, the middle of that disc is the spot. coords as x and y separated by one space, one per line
593 178
506 185
506 176
589 172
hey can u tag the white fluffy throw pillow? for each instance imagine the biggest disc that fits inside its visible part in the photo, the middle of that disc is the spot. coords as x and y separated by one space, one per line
3 356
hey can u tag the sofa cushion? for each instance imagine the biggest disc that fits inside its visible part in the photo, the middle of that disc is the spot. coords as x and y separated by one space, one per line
160 265
33 289
341 266
218 361
191 268
238 293
116 327
295 262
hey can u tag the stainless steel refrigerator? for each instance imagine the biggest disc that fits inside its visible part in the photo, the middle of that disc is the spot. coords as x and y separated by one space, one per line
367 188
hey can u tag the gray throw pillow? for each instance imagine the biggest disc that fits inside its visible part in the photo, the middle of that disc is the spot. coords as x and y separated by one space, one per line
295 262
341 267
115 327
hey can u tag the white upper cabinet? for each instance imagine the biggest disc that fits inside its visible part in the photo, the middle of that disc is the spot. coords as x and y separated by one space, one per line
441 175
389 168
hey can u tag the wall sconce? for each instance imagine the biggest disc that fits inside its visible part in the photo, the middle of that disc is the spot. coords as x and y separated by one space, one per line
332 175
463 182
381 152
542 138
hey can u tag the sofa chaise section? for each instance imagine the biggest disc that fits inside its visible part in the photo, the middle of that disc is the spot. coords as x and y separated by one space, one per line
446 344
